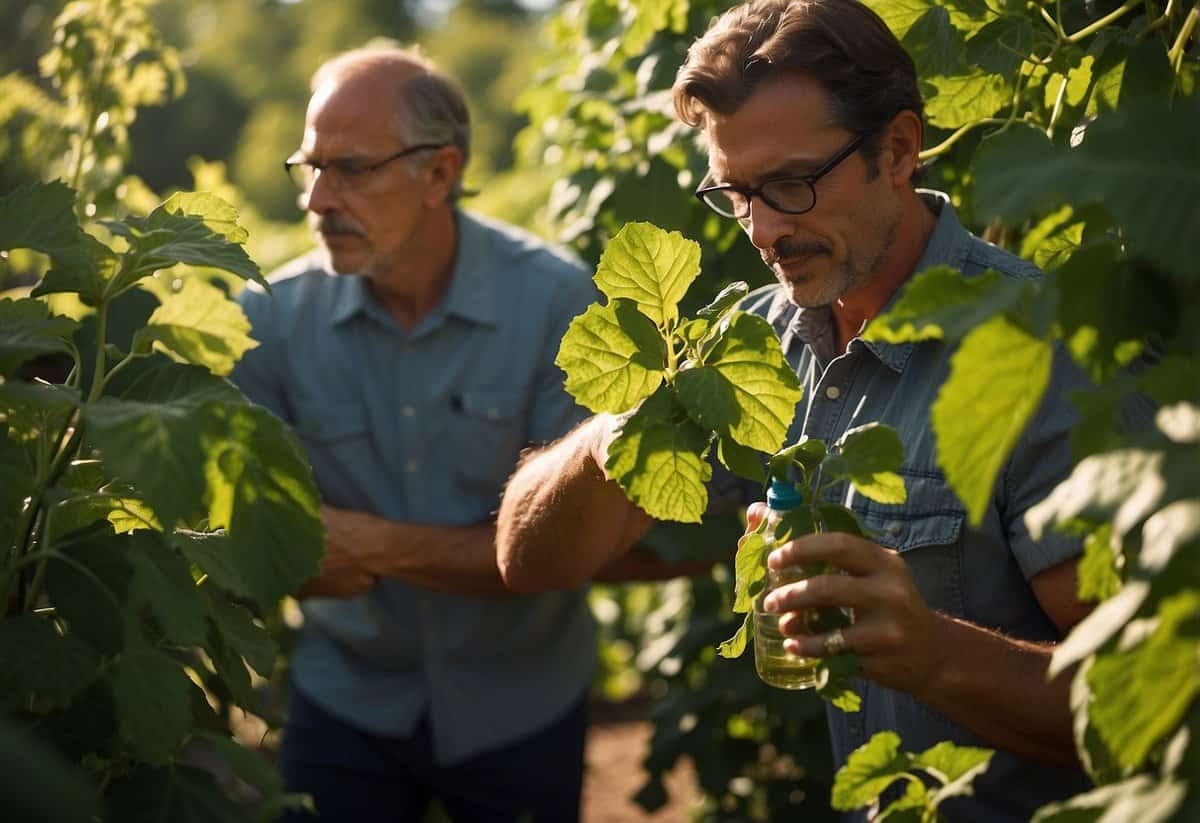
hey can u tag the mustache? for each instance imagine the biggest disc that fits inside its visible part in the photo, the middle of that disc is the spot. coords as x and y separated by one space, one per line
333 224
788 249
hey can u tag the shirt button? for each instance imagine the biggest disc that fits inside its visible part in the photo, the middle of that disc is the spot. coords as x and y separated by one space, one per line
833 392
412 465
894 528
408 411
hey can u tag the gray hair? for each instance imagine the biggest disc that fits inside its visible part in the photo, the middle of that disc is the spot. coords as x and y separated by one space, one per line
431 108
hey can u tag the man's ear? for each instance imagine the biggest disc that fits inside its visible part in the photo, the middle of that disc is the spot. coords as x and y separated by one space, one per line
445 168
902 140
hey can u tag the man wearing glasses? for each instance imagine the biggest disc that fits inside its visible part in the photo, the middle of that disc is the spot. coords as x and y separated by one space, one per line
413 354
812 116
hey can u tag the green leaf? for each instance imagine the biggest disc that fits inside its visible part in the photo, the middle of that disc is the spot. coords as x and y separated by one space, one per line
1103 487
250 640
200 324
806 453
834 674
52 667
835 518
613 356
964 98
153 698
997 379
251 766
794 523
1147 178
724 301
948 762
910 807
746 390
1141 798
869 770
1140 695
942 303
650 266
163 582
16 486
732 648
180 794
41 216
197 229
868 457
935 46
32 409
1054 239
750 567
741 461
659 461
1098 575
1002 45
29 330
1099 627
89 583
901 15
260 488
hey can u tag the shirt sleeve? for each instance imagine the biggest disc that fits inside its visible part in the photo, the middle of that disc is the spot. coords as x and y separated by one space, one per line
259 374
554 412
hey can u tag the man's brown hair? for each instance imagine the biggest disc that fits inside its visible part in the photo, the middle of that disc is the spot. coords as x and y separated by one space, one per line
842 44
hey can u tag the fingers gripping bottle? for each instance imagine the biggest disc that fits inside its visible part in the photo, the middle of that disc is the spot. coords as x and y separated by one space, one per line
776 666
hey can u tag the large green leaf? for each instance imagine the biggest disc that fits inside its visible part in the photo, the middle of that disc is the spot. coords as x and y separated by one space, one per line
1002 45
154 703
197 229
16 486
901 15
658 459
1140 695
250 640
934 44
29 330
749 568
942 303
41 216
613 356
1142 798
41 663
964 98
89 581
650 266
732 648
869 770
956 766
868 457
745 390
1099 578
261 490
1142 163
163 582
38 783
200 324
179 794
997 379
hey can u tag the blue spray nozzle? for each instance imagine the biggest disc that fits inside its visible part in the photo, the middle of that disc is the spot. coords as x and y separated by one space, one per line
783 494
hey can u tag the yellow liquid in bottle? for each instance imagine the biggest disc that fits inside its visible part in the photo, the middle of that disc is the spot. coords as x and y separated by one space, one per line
776 666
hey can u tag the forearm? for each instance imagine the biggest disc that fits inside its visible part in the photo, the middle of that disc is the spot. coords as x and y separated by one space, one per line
996 686
560 520
451 559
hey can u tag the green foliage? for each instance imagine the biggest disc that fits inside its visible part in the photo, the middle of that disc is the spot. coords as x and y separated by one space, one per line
682 384
877 764
150 495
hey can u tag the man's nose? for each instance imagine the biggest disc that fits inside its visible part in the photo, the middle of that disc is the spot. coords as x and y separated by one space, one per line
321 195
765 225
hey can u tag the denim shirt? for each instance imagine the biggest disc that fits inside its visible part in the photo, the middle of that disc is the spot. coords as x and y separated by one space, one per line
425 426
978 574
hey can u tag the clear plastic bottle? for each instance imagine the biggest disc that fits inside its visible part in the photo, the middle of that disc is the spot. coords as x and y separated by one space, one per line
776 666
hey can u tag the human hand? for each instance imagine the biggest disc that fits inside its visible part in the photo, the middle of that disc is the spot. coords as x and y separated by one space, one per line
346 568
895 634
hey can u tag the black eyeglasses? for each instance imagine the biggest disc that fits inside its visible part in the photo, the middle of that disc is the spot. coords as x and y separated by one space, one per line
344 173
790 195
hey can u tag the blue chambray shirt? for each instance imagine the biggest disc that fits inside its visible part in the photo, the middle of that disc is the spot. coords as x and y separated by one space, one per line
425 427
980 575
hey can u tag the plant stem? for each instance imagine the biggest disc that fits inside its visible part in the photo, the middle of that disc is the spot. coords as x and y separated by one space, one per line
944 146
1058 101
89 133
101 336
1160 21
1175 55
1104 21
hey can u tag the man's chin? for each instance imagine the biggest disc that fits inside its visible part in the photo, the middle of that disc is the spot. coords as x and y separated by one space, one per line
341 262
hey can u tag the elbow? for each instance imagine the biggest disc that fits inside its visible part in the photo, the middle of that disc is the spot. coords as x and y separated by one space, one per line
525 575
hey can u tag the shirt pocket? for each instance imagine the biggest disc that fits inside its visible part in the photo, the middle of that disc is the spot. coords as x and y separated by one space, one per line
485 432
337 439
927 531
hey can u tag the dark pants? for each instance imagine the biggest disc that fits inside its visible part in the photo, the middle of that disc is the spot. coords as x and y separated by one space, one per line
356 777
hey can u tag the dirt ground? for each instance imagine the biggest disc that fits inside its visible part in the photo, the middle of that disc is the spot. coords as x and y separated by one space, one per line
616 746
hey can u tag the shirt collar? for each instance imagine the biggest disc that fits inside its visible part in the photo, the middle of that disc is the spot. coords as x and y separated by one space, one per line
471 294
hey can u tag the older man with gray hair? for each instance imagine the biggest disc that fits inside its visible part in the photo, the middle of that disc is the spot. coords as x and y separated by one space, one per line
413 353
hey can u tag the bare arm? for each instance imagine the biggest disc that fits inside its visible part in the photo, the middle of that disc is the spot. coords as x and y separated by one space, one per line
361 548
561 521
991 684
